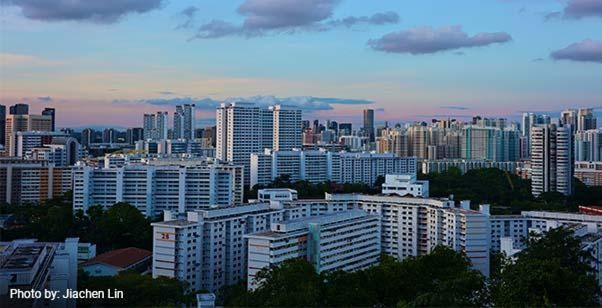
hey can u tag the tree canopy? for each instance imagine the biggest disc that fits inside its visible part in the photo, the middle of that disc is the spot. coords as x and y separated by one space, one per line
441 278
553 270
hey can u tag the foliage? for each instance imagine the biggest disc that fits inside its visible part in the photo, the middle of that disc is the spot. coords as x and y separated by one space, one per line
138 290
506 192
308 190
120 226
442 278
552 271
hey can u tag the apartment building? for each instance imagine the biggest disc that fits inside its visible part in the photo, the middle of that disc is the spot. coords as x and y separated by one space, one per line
348 241
155 188
32 181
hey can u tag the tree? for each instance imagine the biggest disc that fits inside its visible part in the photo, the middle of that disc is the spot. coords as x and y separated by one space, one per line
552 271
290 283
124 226
139 290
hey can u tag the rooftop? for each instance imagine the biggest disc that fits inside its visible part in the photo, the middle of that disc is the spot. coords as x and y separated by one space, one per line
122 258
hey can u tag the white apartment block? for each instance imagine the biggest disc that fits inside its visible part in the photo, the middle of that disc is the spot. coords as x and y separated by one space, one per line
207 249
347 241
243 129
405 184
442 165
155 188
317 166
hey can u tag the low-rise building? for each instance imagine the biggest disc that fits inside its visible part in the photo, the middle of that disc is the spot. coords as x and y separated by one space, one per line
589 172
405 185
113 262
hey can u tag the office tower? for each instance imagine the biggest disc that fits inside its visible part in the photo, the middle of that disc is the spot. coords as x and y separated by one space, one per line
24 123
586 119
209 134
306 124
369 124
552 160
19 109
320 240
87 137
244 128
2 124
184 122
52 113
134 134
155 188
109 135
287 128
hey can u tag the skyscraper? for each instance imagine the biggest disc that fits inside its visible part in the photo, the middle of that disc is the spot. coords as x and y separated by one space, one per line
52 113
134 134
245 128
552 160
2 124
287 132
369 124
586 119
184 122
87 137
19 109
155 126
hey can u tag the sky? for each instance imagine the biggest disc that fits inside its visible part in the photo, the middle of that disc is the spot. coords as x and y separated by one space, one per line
106 63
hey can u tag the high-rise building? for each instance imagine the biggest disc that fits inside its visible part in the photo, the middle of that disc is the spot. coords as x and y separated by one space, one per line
52 113
588 145
155 126
134 134
87 137
369 124
245 128
287 132
154 188
184 122
19 109
2 124
341 241
32 181
24 123
586 119
552 160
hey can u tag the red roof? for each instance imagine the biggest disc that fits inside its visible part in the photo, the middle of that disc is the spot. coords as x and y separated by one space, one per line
122 258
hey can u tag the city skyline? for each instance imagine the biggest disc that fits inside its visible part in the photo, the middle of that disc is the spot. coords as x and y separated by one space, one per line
331 58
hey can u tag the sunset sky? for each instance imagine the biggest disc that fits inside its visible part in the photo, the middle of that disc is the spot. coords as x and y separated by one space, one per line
105 63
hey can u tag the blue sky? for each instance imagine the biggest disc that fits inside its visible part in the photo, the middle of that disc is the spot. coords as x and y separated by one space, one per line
104 62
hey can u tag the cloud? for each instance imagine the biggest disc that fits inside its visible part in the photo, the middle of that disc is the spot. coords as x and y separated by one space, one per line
455 107
98 11
263 17
376 19
583 8
187 16
45 98
305 103
584 51
426 40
